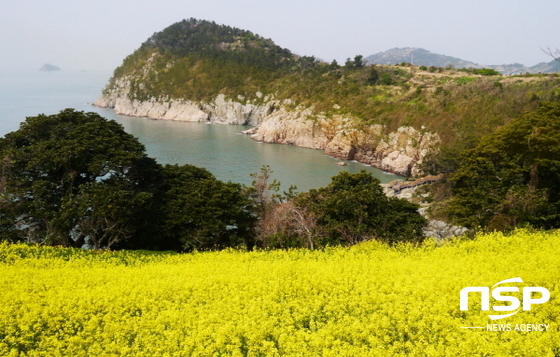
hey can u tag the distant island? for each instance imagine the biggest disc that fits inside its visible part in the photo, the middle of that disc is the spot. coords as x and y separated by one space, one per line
422 57
49 68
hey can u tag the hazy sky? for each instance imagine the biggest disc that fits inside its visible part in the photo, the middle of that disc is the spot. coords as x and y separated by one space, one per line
98 34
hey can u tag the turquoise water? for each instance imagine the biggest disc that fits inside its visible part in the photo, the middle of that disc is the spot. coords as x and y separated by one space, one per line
219 148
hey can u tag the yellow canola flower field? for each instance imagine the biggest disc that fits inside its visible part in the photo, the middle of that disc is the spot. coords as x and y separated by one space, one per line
367 300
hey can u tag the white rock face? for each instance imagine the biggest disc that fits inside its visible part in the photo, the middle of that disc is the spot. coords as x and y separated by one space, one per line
292 128
398 152
221 110
441 230
437 229
230 112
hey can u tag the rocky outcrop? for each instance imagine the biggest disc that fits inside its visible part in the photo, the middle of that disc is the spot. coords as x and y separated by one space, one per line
276 121
441 230
399 152
399 185
220 110
293 128
437 229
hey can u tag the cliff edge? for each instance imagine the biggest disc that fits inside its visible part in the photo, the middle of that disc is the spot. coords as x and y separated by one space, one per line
276 121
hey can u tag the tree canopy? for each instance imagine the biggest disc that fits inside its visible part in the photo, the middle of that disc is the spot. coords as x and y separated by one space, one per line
353 208
201 212
511 177
212 40
59 163
75 178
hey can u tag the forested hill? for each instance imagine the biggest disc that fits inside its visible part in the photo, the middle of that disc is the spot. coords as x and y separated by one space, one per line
197 60
208 39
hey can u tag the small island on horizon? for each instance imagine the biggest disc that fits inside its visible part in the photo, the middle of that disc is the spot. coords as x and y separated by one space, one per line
49 68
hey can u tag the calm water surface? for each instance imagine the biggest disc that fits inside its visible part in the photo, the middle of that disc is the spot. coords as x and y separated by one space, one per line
219 148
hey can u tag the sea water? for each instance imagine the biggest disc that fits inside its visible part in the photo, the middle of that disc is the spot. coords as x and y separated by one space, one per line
230 156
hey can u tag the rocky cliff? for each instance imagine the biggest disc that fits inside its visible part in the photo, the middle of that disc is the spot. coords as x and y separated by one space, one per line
220 110
399 152
277 121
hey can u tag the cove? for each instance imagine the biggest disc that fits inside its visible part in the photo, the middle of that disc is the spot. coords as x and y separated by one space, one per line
219 148
232 156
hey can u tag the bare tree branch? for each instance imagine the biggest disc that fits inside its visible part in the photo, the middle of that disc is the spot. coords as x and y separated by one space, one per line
286 220
552 53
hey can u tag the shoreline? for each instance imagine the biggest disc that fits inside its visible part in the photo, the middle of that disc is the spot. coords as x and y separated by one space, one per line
398 153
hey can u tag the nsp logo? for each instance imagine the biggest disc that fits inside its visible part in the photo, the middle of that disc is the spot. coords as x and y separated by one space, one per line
528 297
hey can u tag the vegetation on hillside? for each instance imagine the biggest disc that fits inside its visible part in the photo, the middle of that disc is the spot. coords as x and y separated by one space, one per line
511 177
197 60
367 300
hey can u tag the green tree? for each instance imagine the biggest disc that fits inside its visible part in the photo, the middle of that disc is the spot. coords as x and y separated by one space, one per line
358 61
511 177
200 212
334 65
354 208
103 214
263 192
373 77
386 79
56 161
488 72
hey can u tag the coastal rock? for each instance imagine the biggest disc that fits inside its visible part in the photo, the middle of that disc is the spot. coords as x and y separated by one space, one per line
437 229
441 230
292 128
341 147
399 152
226 111
249 131
220 110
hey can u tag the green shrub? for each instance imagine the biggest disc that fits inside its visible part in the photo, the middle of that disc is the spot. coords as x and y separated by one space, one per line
354 208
